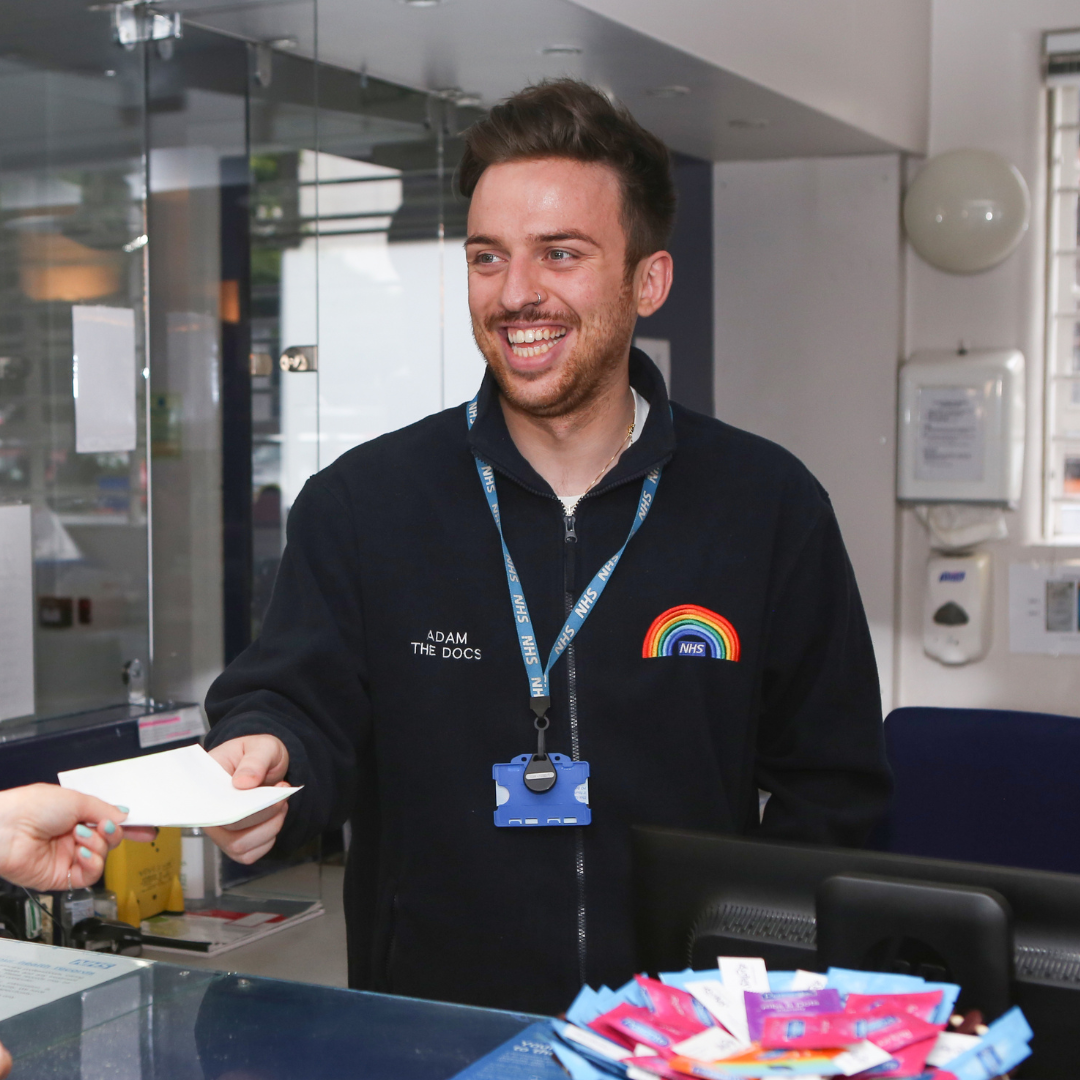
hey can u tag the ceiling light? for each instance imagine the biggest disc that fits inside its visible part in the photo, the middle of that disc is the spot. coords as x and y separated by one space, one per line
561 50
420 3
749 122
283 43
668 91
458 96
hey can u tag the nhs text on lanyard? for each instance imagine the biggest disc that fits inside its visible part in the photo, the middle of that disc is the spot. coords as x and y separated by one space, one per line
539 772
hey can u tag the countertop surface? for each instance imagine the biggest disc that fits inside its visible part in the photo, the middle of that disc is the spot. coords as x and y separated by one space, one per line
180 1023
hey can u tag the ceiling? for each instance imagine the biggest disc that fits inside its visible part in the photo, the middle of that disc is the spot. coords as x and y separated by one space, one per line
490 48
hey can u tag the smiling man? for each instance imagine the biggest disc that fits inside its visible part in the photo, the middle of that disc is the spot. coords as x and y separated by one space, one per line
617 610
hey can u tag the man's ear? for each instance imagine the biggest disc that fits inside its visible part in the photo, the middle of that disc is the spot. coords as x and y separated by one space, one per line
652 282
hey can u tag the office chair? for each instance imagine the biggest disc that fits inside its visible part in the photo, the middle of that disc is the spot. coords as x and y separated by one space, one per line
984 785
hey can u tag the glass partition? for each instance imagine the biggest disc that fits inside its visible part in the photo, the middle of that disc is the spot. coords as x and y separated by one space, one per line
74 596
356 246
261 256
197 151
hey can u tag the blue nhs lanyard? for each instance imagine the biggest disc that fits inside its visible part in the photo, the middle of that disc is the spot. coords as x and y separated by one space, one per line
539 684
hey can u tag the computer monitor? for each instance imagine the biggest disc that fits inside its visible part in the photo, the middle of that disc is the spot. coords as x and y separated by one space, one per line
699 896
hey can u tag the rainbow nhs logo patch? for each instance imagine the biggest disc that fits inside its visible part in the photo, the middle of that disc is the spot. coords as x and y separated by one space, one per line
693 631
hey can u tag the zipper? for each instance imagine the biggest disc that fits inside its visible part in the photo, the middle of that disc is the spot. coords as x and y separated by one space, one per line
570 539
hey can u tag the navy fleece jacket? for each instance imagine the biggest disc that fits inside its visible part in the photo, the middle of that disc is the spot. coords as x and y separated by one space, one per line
389 666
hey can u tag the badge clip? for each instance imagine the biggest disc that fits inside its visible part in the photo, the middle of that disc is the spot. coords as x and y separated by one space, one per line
540 773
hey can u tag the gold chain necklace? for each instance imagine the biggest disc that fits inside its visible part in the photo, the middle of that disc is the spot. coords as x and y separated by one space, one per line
603 472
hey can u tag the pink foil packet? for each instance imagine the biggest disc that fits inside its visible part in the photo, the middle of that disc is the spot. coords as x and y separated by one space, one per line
674 1007
921 1005
891 1031
632 1025
911 1061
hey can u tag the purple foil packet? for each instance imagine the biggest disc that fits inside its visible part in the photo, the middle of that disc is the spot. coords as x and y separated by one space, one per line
787 1003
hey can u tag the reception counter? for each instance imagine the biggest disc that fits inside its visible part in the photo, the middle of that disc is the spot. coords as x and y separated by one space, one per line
169 1022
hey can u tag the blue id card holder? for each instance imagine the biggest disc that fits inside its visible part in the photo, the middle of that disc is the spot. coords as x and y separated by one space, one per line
566 802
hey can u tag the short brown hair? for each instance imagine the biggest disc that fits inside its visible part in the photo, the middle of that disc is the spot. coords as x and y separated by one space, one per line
570 119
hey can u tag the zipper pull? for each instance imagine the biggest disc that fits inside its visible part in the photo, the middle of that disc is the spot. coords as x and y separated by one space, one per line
568 522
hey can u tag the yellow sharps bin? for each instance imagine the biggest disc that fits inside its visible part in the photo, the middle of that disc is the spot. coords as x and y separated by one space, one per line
146 877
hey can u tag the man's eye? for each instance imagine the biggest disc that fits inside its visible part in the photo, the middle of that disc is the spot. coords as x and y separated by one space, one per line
559 255
486 258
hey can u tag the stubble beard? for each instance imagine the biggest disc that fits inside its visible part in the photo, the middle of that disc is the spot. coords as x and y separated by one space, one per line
602 344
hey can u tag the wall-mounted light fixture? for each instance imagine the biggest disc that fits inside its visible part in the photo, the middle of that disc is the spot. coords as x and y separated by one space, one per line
967 210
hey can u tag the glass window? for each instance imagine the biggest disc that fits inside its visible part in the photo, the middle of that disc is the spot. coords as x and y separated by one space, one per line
1062 476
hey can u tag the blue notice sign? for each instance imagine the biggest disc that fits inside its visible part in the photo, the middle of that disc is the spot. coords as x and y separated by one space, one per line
526 1056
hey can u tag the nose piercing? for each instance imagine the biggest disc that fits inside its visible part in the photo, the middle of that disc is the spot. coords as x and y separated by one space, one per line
538 299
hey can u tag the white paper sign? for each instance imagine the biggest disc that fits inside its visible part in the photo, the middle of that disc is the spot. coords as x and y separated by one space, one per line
184 787
951 433
1044 616
16 612
160 729
33 975
103 378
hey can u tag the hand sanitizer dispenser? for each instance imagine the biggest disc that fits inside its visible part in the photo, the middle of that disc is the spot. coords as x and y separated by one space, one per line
956 620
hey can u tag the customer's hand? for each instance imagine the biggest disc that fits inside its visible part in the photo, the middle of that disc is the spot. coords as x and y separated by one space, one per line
48 833
253 761
5 1062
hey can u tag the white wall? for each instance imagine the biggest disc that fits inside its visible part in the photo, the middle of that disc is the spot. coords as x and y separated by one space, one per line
861 61
808 319
809 280
985 92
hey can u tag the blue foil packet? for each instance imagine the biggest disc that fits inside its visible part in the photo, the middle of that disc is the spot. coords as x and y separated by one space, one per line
1002 1048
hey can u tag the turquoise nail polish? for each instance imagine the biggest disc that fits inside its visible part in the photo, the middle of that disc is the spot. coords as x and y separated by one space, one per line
85 853
110 828
83 831
122 809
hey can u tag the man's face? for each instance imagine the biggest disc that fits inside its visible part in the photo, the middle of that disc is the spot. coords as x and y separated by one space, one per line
550 227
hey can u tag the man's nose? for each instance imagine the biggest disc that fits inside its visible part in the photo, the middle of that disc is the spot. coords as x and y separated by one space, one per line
520 287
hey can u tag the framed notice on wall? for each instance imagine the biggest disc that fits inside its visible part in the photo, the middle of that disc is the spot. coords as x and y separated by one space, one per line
961 427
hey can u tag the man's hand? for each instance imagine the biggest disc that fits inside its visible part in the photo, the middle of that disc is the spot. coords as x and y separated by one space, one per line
253 761
48 832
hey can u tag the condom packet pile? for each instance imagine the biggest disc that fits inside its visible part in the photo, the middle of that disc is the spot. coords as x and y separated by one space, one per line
739 1020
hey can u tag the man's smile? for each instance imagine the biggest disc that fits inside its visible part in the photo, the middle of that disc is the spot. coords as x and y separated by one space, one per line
525 342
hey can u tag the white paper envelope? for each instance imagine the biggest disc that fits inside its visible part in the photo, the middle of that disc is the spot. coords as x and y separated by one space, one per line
184 787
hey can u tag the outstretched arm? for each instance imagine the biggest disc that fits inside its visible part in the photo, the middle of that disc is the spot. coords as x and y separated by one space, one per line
48 833
294 705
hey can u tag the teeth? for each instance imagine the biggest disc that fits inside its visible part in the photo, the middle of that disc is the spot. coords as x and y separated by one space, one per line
519 337
537 350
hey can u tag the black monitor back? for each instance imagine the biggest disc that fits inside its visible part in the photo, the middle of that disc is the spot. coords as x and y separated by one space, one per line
699 895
